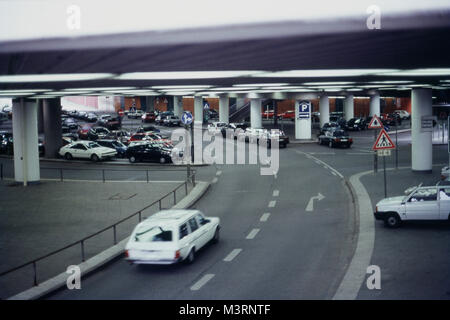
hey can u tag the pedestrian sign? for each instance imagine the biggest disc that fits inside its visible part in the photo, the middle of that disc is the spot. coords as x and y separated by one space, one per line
375 123
383 141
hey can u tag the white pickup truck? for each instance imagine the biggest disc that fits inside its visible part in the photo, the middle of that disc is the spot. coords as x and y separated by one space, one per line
422 203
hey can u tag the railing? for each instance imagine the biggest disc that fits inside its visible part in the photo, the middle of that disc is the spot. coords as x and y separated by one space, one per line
112 228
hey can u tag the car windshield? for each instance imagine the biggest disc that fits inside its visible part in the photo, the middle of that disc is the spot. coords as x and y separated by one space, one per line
117 144
93 145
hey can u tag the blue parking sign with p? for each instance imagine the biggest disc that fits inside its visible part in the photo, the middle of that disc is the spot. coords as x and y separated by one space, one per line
304 110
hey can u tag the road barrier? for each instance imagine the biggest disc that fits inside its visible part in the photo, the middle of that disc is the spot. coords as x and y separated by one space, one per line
111 228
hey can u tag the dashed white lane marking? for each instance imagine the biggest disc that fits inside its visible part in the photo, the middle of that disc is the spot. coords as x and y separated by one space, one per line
232 255
272 203
214 180
318 161
252 234
334 173
276 193
218 173
200 283
265 217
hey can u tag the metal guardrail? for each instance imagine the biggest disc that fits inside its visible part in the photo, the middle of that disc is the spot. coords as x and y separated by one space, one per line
112 227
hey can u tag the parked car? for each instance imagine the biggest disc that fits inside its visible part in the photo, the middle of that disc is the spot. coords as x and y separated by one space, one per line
71 123
162 115
3 117
95 133
83 132
172 121
6 142
235 129
445 173
356 124
329 126
422 203
135 114
216 127
282 138
41 147
149 151
86 150
148 117
8 111
267 114
121 135
149 136
66 132
334 138
114 144
171 236
112 123
212 114
404 115
253 134
290 114
147 128
91 117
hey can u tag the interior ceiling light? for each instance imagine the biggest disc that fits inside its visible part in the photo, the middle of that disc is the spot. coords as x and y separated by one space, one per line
445 80
179 90
129 91
67 93
100 89
322 73
416 85
338 83
298 90
44 96
391 82
234 88
284 87
54 77
18 94
25 90
182 87
261 85
354 89
420 72
177 75
181 93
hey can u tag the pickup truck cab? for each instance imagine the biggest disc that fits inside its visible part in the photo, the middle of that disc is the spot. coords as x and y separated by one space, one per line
423 203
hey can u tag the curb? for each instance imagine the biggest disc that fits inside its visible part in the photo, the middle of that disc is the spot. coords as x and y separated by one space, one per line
104 257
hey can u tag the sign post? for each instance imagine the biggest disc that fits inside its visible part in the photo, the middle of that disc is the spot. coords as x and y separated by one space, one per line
187 119
382 146
376 124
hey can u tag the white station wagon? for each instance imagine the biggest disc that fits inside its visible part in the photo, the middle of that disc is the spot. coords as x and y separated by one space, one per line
423 203
171 236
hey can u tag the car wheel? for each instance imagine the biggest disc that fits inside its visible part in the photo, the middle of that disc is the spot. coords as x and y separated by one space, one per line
94 158
132 159
68 156
191 256
216 237
162 160
392 221
330 144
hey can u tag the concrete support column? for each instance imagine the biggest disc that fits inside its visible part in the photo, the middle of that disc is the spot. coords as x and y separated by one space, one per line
178 105
198 109
422 148
150 103
324 109
52 127
224 109
255 113
375 105
25 133
349 107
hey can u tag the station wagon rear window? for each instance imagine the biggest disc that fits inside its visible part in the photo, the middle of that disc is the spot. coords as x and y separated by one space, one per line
153 234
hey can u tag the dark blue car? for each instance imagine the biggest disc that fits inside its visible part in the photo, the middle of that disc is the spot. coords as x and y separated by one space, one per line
114 144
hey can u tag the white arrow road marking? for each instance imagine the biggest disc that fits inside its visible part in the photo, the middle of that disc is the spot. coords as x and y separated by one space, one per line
310 206
232 255
200 283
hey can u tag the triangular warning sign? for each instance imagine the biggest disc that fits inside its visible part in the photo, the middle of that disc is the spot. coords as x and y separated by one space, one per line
383 141
375 123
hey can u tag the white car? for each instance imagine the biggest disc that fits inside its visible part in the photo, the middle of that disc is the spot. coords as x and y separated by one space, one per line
423 203
403 114
171 236
254 134
216 127
86 150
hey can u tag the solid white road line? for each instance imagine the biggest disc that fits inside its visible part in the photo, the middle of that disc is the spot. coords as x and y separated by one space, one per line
359 154
276 193
214 180
265 217
318 161
232 255
200 283
356 272
218 173
252 234
272 203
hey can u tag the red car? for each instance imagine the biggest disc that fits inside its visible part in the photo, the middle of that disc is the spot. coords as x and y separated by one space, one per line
290 114
83 132
148 117
268 114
